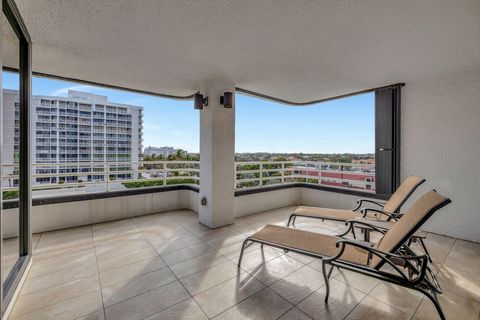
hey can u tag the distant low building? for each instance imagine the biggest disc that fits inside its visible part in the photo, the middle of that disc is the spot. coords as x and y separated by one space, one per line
159 151
365 161
356 178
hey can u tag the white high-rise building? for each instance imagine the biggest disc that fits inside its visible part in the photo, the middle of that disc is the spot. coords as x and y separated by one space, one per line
74 134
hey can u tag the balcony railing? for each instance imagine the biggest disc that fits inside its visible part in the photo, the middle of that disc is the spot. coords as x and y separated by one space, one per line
356 176
116 176
100 177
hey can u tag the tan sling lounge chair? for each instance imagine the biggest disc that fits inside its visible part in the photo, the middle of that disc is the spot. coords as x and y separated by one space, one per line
384 213
409 269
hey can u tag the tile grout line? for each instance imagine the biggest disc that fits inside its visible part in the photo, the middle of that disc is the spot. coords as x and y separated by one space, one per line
243 271
356 306
323 285
228 259
177 279
394 307
62 269
296 304
139 231
148 273
36 244
265 286
277 280
61 301
441 266
292 307
309 295
300 310
57 285
98 273
163 285
127 264
50 305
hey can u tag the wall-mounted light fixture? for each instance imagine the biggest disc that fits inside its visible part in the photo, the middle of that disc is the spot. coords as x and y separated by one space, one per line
227 100
199 101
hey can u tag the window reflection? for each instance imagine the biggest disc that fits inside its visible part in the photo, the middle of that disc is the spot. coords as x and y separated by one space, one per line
10 151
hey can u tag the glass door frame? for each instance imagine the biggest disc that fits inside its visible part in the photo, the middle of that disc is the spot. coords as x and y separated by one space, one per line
12 281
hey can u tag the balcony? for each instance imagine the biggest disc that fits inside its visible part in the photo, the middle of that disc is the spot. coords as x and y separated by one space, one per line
182 268
110 268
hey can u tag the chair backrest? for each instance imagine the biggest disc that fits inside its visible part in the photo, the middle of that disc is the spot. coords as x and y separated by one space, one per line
399 197
410 222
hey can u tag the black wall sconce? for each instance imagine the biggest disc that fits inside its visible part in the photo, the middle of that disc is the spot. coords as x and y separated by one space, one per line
227 100
199 101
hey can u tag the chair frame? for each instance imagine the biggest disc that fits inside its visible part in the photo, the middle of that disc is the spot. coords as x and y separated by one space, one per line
418 277
395 217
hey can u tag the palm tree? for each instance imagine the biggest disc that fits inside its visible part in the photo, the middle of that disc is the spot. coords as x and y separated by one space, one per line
181 155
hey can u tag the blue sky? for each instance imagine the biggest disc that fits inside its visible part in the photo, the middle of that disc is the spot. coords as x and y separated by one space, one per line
340 126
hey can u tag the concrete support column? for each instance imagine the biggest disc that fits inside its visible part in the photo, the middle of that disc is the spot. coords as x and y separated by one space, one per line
217 158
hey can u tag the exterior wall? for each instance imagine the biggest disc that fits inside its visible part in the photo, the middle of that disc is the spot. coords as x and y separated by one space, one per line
319 198
440 141
73 214
79 213
257 202
189 199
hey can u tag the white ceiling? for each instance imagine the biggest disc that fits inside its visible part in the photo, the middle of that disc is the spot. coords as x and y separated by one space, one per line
294 50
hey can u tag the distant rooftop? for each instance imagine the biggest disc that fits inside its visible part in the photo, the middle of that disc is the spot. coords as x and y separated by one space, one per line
87 96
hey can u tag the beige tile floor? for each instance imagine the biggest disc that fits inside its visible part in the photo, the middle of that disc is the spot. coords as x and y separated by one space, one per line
168 266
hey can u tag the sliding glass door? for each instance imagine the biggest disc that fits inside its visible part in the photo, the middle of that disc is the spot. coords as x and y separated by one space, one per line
15 151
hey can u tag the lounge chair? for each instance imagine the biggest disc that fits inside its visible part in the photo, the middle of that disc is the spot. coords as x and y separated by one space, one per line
384 213
388 213
409 270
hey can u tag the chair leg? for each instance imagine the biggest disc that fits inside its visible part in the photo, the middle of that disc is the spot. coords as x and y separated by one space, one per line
326 276
435 302
347 231
330 272
366 235
291 219
244 245
422 243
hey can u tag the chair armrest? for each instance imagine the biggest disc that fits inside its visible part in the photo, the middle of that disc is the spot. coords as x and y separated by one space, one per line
388 214
388 258
396 215
353 222
361 201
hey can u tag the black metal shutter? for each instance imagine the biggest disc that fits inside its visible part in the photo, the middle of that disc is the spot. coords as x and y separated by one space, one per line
387 140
